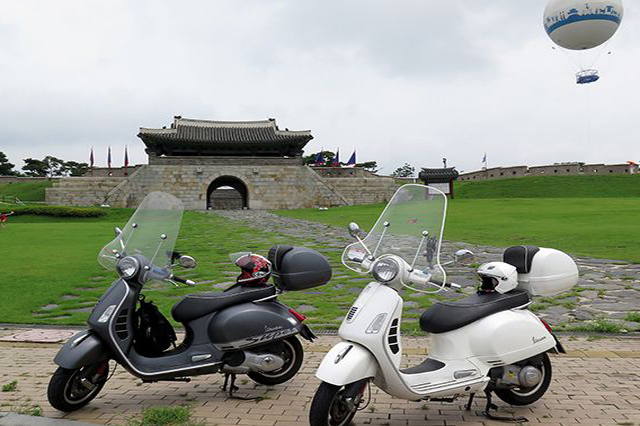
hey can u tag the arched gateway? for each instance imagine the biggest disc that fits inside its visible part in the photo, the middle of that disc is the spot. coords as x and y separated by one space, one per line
227 193
227 164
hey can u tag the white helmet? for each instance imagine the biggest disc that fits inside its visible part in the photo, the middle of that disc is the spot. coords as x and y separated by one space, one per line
498 276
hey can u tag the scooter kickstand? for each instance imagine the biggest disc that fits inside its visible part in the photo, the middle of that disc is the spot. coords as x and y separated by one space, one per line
233 388
492 406
468 406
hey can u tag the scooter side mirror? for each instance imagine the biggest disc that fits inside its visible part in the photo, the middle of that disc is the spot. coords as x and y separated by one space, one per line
354 230
463 256
187 262
117 231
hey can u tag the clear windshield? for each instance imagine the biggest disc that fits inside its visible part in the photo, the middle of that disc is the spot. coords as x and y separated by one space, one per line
410 226
151 232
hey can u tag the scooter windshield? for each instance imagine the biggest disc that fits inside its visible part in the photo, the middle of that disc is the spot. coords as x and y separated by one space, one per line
151 232
410 226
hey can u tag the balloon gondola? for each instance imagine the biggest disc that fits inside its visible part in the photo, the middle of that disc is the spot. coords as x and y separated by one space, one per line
587 76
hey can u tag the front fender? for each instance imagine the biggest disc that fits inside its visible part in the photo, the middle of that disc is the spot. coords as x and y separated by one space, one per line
85 348
345 363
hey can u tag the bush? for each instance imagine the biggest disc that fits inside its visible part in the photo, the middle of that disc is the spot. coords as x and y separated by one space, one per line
59 211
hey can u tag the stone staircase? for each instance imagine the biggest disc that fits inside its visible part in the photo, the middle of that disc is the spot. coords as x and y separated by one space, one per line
82 191
363 190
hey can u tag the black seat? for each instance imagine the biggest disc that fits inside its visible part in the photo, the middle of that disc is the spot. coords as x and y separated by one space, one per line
447 316
196 305
520 257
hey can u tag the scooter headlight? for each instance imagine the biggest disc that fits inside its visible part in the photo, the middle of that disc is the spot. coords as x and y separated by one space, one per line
385 270
128 267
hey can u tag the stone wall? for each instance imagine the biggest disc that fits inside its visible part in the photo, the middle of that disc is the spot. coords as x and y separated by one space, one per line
269 187
549 170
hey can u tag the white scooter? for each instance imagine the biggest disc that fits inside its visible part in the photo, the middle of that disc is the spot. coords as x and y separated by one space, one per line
487 342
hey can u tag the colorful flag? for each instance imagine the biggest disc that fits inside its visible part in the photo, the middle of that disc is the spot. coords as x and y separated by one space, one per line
336 159
319 161
352 160
109 158
91 157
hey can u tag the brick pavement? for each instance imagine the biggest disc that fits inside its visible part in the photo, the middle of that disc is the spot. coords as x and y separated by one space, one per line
596 383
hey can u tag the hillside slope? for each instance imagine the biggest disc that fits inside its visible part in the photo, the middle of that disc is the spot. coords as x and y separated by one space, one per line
613 186
25 191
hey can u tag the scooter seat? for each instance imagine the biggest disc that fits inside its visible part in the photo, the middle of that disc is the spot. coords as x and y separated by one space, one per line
197 305
447 316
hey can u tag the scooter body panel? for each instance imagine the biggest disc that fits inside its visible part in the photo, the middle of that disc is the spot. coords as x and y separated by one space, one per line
85 348
499 339
345 363
251 324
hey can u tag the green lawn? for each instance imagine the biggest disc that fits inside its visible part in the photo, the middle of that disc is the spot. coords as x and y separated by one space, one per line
25 191
598 227
613 186
50 274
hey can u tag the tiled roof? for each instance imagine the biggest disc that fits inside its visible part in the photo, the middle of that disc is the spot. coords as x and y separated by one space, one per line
192 130
441 175
188 136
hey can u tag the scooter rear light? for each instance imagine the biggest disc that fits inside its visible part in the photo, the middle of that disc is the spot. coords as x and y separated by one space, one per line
297 315
546 325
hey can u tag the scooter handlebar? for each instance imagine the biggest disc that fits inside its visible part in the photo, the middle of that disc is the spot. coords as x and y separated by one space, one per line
183 281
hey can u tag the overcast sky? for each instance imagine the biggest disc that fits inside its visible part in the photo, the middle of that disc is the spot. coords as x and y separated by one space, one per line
400 81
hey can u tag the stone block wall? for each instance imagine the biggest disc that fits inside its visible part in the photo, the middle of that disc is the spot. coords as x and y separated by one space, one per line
550 170
269 187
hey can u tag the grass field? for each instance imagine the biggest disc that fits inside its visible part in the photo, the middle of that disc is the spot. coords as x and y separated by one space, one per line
598 227
614 186
25 191
50 274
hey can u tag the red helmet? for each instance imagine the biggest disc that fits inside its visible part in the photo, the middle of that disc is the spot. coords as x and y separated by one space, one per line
256 269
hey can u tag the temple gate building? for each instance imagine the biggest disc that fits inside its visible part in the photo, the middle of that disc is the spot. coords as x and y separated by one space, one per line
223 165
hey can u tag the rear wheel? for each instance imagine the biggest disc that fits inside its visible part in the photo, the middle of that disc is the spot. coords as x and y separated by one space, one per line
290 349
332 406
71 389
526 396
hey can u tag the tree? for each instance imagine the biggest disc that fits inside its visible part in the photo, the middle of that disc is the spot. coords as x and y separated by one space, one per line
34 168
54 166
6 168
75 169
311 159
405 171
370 166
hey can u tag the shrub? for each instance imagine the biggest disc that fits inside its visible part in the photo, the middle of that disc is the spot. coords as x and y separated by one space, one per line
633 317
60 211
10 387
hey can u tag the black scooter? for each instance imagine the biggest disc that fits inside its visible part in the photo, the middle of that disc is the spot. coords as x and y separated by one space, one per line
243 330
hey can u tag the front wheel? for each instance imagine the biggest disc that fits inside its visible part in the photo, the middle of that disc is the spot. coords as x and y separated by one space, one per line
336 405
290 349
72 389
526 396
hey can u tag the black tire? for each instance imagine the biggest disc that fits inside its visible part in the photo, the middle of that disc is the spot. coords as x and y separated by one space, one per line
528 396
327 409
66 392
293 354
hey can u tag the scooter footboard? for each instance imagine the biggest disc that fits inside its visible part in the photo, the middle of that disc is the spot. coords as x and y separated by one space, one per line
345 363
83 349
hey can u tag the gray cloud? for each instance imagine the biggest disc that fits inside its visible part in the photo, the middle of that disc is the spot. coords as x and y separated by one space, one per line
400 81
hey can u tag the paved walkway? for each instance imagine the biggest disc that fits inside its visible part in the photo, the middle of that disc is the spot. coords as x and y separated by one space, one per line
596 383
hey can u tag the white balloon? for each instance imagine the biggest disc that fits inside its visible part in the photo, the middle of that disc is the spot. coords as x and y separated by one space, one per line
582 24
